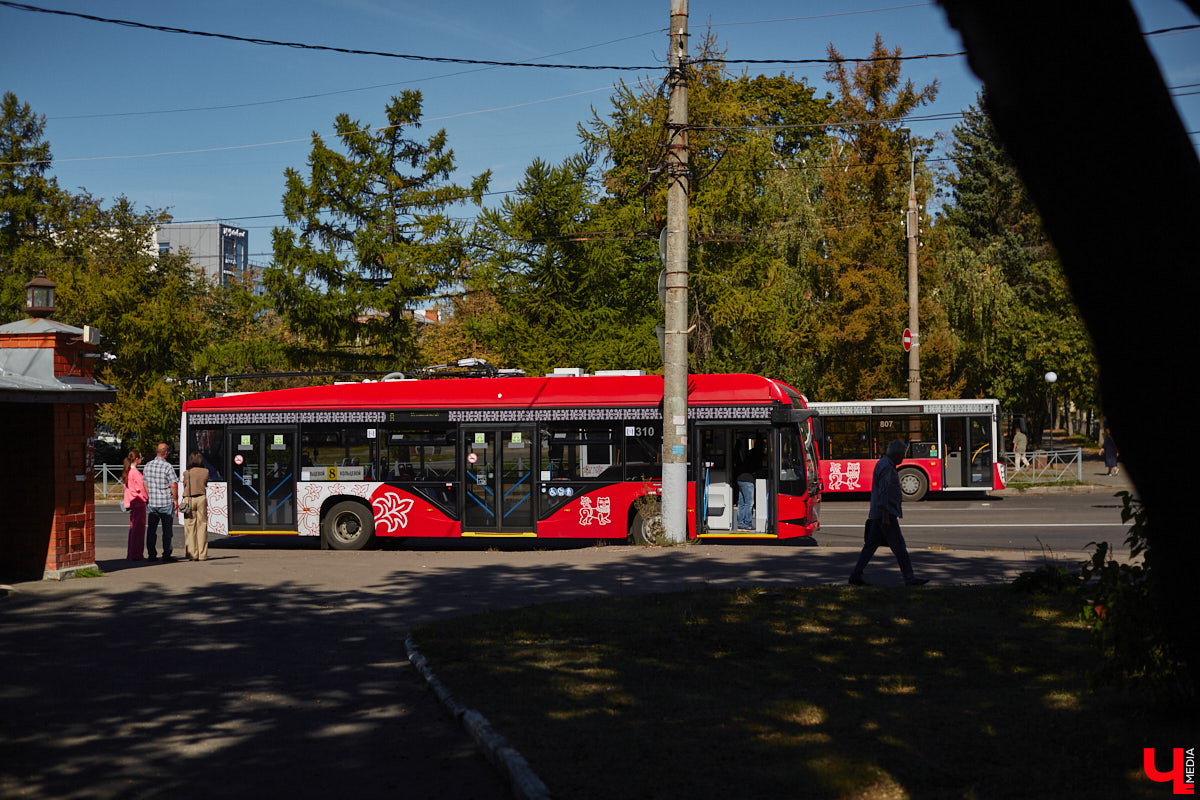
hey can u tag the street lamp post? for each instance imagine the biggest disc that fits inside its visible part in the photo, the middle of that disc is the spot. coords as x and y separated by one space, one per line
1051 377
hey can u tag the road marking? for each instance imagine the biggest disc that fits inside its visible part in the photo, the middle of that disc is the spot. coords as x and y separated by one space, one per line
996 525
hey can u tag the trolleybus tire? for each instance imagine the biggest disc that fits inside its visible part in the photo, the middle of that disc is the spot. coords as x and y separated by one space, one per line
348 525
913 484
647 526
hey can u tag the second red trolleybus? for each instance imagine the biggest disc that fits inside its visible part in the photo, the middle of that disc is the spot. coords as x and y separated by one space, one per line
552 457
953 445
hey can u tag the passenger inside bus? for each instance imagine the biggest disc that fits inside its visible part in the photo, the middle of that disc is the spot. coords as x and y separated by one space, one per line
751 458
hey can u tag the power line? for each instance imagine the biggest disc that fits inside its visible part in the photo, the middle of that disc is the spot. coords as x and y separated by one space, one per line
447 59
491 63
315 95
319 47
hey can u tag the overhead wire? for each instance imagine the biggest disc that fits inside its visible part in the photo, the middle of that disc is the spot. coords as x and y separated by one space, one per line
440 59
491 64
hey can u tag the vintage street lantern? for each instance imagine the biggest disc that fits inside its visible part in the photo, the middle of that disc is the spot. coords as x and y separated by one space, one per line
39 296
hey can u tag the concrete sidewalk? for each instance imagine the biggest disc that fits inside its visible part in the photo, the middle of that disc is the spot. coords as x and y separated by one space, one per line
282 671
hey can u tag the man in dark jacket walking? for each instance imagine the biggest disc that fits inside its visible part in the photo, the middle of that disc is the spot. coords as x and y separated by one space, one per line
883 519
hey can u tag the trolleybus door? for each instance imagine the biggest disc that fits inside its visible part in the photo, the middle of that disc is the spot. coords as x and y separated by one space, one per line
262 480
724 452
499 480
967 445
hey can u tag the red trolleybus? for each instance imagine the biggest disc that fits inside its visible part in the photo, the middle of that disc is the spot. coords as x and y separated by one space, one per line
953 445
553 457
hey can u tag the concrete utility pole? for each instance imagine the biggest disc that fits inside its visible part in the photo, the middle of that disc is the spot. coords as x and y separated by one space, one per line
675 338
911 229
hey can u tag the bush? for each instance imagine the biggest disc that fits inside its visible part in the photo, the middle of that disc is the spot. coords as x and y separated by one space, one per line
1120 603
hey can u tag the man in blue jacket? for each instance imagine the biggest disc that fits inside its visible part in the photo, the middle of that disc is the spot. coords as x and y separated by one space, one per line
883 520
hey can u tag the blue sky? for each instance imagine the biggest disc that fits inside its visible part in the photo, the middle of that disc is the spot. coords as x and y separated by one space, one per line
206 127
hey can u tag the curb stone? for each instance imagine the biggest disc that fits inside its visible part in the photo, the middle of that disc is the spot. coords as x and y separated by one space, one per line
523 781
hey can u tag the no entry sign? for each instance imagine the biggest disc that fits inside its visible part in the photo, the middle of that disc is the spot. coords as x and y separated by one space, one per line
907 340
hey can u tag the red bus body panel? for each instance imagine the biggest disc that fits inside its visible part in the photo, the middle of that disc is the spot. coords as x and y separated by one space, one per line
855 475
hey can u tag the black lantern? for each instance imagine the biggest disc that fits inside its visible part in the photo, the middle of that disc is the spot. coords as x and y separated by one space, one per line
39 296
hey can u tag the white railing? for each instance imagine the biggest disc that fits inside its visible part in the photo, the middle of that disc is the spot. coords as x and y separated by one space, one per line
1046 466
108 479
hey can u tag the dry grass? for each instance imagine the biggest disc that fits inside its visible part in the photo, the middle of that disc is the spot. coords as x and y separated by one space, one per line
814 693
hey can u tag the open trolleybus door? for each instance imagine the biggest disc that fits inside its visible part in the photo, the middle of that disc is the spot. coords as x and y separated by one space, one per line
723 453
262 480
967 445
498 482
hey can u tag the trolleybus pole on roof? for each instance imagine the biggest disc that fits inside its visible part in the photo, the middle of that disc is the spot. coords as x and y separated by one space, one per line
675 349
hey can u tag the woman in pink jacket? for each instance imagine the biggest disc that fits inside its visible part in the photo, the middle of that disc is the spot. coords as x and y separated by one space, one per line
135 501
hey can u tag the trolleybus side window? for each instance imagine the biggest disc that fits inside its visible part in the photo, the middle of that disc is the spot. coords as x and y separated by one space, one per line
419 454
810 457
336 452
918 431
643 448
581 452
792 460
846 437
423 460
210 444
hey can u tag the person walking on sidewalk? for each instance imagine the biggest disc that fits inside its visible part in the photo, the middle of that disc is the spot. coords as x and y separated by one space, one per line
134 502
195 524
163 487
1109 451
1020 445
883 518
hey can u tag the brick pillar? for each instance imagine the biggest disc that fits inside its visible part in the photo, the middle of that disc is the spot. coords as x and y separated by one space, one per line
73 533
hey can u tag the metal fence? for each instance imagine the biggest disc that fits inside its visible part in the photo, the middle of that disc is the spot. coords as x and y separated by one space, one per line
1046 466
108 479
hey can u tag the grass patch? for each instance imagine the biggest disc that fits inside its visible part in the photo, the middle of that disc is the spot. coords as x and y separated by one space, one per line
89 572
819 693
1018 484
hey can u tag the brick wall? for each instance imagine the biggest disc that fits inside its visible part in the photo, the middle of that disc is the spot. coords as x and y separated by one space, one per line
72 542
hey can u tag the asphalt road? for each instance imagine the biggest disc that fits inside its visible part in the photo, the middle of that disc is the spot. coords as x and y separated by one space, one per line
1064 522
276 669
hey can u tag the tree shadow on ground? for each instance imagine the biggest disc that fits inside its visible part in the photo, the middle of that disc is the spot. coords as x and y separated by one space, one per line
281 672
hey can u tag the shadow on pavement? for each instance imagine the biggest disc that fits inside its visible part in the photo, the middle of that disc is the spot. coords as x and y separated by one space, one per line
267 673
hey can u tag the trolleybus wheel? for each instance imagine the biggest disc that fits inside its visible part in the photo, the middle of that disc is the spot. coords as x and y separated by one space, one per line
348 526
647 525
913 484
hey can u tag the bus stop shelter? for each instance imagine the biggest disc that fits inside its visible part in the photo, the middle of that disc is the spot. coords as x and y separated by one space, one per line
48 399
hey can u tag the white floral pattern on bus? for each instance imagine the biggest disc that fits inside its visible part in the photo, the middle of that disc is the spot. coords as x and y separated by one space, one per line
391 510
218 517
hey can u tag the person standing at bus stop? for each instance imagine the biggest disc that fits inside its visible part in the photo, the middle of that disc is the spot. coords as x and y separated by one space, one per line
195 524
883 518
134 502
163 488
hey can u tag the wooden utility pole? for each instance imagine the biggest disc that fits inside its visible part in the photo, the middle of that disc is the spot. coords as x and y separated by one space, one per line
675 338
914 324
